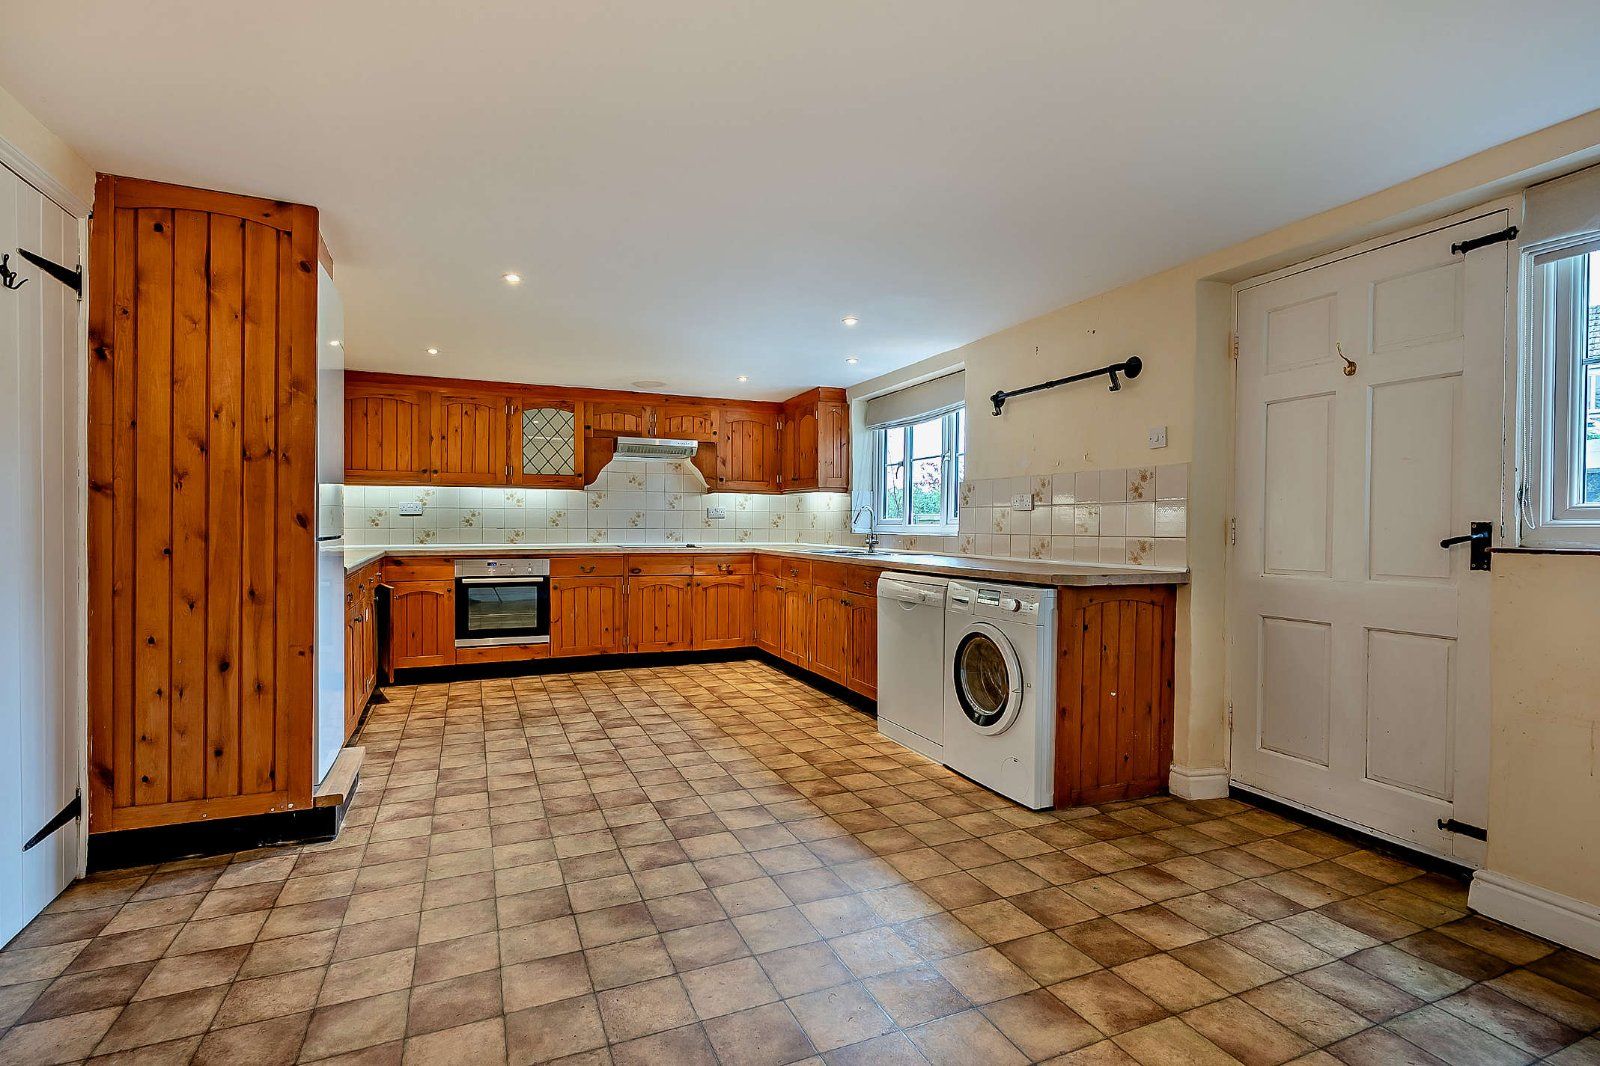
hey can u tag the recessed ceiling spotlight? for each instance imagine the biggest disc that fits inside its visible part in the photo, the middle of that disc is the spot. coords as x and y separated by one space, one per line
852 360
648 384
433 351
742 378
512 279
850 320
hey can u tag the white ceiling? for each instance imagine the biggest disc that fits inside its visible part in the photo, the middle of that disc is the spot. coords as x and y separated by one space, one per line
697 189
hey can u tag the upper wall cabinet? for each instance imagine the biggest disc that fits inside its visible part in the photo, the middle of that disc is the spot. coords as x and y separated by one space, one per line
388 434
547 441
747 456
619 419
417 431
816 441
470 432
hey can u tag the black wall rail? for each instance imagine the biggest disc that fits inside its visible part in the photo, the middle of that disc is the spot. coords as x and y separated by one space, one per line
1128 368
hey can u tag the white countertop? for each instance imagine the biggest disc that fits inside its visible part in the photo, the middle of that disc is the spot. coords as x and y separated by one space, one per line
1020 571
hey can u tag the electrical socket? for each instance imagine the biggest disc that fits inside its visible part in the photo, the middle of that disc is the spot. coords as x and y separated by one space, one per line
1022 501
716 513
411 510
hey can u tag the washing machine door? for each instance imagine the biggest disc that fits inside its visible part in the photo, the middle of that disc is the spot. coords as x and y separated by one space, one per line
988 679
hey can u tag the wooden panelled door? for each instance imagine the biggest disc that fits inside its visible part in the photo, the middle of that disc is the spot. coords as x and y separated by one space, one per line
388 435
202 478
40 678
660 613
1369 403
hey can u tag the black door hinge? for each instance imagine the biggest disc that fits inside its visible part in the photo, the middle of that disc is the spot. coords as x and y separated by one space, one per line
65 815
68 276
1476 832
1463 247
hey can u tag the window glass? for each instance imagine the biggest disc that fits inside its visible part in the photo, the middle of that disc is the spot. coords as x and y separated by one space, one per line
1590 363
918 472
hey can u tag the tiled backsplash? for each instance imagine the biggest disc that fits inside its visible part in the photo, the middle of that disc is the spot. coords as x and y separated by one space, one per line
1135 515
639 503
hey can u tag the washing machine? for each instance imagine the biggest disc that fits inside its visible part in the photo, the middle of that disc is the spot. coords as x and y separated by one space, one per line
999 688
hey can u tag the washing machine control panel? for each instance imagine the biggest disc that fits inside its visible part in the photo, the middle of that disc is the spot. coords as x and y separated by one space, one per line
1008 603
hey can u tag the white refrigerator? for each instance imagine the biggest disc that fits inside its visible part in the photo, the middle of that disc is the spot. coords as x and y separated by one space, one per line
329 722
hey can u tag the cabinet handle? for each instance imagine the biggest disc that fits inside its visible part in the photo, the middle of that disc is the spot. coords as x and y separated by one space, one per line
585 569
634 570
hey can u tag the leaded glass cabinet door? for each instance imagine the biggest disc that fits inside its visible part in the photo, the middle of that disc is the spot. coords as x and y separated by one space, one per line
549 451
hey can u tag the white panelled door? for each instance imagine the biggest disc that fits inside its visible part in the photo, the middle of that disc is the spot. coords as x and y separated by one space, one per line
1369 406
41 608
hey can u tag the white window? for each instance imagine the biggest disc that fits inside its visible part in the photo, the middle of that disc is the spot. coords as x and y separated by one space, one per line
1561 483
916 472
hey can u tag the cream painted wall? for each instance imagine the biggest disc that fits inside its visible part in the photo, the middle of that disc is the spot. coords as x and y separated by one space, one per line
1178 322
48 152
1544 752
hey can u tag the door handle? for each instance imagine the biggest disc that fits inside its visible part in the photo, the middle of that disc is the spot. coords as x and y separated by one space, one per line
1481 538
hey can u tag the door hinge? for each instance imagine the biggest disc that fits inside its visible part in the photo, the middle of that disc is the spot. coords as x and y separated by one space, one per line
70 812
1450 825
1500 237
1230 716
1233 346
1233 532
71 277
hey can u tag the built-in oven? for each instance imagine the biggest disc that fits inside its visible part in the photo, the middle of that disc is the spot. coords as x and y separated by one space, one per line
502 601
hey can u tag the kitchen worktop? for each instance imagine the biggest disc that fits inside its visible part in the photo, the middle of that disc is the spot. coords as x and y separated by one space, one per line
1020 571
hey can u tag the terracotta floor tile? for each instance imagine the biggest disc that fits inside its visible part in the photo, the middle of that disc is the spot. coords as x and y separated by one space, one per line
706 862
835 1017
764 1036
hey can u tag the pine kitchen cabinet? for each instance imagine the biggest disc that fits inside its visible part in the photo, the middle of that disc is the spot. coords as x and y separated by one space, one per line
816 441
388 434
360 644
747 457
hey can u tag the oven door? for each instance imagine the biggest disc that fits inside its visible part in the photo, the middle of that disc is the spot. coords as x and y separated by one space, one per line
494 611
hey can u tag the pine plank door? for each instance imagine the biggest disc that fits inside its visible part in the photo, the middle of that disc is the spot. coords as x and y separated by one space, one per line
747 458
40 665
1369 403
586 616
388 435
202 473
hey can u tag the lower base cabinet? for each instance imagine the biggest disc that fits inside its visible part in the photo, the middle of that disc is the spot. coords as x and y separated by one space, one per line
1114 693
360 644
610 604
587 616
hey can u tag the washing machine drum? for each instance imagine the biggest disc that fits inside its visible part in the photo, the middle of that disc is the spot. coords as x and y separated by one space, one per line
988 679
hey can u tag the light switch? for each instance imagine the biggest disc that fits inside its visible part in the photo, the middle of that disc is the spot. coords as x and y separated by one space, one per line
1158 437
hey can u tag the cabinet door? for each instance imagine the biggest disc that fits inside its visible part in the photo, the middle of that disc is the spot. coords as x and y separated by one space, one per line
546 445
769 614
388 434
471 440
795 643
689 421
586 616
800 447
722 611
861 673
747 458
422 617
833 445
830 634
660 612
625 419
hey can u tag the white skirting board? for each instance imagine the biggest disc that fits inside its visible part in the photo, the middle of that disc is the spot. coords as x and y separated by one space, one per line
1538 910
1198 782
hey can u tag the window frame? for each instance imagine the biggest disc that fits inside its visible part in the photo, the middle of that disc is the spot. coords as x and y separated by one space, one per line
1555 402
952 455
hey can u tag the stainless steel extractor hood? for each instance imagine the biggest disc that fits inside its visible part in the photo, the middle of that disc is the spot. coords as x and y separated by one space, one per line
655 448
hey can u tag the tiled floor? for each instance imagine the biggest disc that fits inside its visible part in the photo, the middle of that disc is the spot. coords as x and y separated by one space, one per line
718 863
